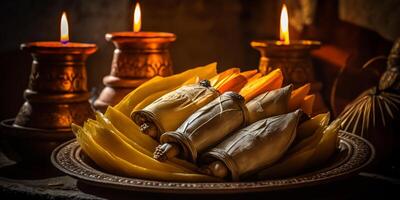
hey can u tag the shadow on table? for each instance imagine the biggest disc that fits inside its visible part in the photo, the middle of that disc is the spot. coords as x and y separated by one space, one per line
29 171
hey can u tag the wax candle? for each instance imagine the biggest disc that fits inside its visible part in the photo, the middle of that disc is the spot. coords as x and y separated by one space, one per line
56 97
138 56
57 93
291 56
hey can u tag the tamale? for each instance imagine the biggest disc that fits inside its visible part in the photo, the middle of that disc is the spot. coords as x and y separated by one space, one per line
270 103
204 129
253 148
170 110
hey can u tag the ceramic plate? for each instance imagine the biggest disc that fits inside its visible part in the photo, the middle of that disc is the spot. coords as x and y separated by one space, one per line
353 154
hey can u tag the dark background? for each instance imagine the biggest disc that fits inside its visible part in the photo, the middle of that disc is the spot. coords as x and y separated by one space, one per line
207 31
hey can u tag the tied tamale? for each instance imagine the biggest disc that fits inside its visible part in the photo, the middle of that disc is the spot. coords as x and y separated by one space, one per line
204 129
170 110
216 117
253 148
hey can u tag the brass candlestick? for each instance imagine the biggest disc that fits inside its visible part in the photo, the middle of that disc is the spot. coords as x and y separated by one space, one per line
138 56
56 96
293 59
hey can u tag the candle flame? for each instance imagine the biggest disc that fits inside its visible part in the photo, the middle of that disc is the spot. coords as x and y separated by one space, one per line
64 37
137 19
284 29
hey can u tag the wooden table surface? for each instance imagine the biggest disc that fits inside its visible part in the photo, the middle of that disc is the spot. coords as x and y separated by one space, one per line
33 181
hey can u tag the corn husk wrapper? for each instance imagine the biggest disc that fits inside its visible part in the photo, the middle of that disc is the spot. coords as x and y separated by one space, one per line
209 125
255 147
309 153
171 110
269 104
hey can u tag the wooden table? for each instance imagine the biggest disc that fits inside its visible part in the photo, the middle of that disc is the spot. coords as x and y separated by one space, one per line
33 181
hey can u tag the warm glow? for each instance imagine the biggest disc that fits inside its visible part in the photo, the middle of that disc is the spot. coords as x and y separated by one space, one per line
64 38
284 30
137 19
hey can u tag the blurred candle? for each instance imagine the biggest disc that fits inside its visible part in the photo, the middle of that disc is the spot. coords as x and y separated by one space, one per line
284 25
137 19
291 56
64 37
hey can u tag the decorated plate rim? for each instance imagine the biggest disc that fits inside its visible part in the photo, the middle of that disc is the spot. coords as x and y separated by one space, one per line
66 158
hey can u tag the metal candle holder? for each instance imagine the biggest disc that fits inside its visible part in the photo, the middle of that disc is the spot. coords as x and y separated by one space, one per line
56 96
138 56
293 59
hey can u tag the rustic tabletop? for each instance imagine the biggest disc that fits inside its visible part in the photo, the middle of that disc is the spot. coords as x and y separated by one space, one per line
34 181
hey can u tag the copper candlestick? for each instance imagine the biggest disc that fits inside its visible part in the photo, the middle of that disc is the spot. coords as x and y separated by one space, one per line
138 56
293 59
56 96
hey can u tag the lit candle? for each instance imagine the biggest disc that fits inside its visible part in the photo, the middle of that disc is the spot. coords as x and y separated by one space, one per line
57 87
137 19
284 26
291 56
64 35
64 45
138 56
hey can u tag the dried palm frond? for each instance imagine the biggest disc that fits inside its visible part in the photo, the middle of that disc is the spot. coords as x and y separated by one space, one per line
373 107
378 105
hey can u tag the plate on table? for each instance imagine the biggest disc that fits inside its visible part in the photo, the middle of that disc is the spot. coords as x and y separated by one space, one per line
354 153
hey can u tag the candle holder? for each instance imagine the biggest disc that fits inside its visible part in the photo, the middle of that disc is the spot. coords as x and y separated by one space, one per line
56 96
293 59
138 56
